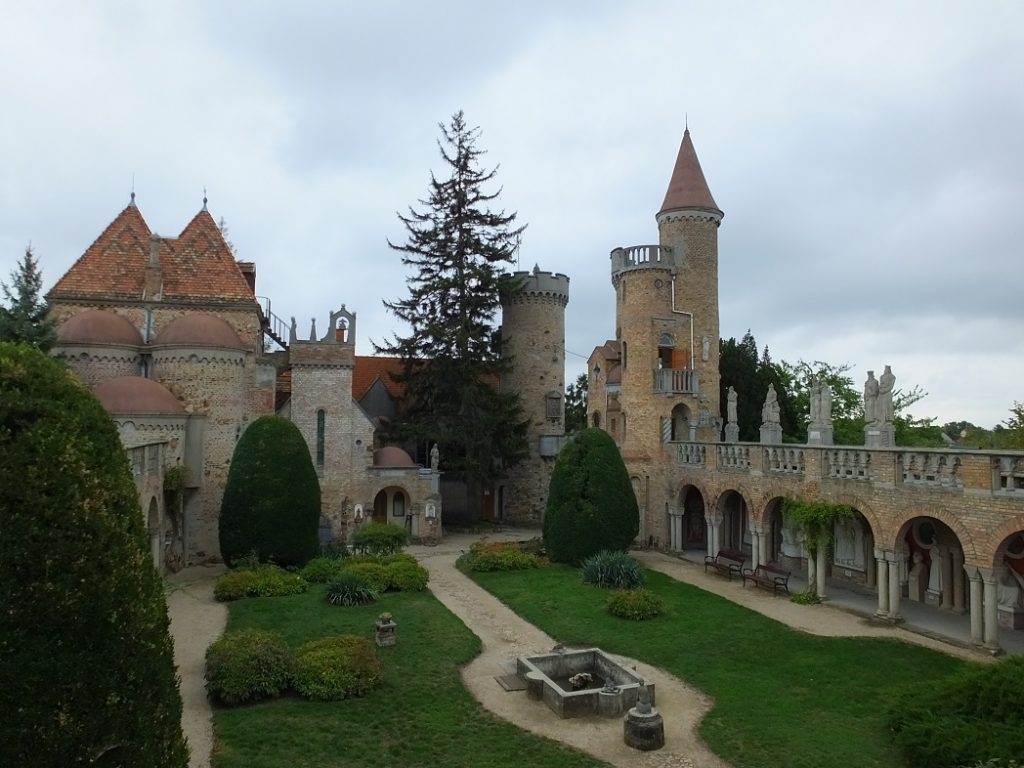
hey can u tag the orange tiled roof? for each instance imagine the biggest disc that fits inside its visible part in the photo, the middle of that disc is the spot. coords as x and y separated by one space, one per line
197 265
367 369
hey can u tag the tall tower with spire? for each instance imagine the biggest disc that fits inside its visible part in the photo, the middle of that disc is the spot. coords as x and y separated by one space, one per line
657 381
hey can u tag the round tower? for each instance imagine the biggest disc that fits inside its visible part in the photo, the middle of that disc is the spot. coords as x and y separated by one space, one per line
533 342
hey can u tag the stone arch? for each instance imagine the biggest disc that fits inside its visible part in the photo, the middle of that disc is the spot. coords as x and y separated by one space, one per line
687 519
392 504
733 509
1000 536
894 538
680 417
877 530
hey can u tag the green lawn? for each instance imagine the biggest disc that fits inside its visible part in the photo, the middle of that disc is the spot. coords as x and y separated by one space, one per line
782 698
421 716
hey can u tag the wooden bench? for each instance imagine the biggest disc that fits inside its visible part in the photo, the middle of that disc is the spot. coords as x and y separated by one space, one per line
768 576
726 562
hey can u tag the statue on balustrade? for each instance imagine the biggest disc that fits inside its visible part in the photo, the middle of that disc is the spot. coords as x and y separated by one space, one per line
731 399
886 382
871 398
770 411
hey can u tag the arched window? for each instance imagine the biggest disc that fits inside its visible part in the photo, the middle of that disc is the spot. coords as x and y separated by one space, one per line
321 423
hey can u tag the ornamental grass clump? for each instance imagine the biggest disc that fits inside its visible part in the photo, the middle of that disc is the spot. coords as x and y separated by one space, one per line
349 588
265 581
617 570
248 666
634 604
337 667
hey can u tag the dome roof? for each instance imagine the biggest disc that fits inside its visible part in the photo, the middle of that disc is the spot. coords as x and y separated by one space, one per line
199 330
392 456
134 394
99 327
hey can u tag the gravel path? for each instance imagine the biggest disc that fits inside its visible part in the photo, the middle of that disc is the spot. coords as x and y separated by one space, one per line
197 620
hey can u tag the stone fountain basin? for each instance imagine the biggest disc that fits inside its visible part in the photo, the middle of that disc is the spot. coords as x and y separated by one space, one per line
614 691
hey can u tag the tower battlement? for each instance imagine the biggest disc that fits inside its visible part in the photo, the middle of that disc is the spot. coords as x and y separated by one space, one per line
525 286
642 257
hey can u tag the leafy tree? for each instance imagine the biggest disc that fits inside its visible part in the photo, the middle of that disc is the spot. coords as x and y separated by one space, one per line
591 504
457 248
24 319
740 368
86 669
271 504
910 431
576 404
1015 427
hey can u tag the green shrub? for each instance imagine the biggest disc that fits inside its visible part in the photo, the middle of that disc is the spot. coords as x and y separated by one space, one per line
612 569
807 597
406 577
86 663
271 501
379 538
336 667
335 549
348 588
397 557
248 666
498 556
591 504
266 581
322 569
375 573
967 718
634 604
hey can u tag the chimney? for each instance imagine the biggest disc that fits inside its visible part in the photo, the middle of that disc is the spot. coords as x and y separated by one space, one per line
248 270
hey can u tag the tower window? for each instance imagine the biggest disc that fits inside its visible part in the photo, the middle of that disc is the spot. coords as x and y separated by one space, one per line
553 406
321 423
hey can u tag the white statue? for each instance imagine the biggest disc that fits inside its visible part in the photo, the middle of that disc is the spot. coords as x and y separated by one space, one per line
918 578
731 398
886 382
825 404
849 549
870 398
815 393
770 411
1011 589
705 348
435 457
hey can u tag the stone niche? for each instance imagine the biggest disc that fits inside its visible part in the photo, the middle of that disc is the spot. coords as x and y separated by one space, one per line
613 689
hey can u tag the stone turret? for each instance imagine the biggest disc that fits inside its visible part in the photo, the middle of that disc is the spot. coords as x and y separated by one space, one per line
533 339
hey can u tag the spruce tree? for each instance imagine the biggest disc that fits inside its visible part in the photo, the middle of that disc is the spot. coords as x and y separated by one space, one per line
87 676
457 248
24 320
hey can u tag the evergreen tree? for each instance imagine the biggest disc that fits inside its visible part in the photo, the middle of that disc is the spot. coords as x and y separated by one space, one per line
24 319
457 248
591 504
271 504
576 405
87 673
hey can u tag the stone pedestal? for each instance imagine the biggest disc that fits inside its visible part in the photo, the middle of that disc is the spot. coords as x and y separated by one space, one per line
643 727
819 434
879 435
732 433
385 627
771 434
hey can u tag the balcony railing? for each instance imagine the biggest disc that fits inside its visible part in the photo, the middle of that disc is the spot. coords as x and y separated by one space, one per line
675 381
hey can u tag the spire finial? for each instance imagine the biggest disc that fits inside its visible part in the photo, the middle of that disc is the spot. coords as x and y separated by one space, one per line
686 121
204 198
131 202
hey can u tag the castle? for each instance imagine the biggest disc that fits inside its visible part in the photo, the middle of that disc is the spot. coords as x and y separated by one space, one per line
169 334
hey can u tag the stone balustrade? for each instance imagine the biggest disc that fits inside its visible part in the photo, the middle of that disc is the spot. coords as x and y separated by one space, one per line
641 256
676 381
924 469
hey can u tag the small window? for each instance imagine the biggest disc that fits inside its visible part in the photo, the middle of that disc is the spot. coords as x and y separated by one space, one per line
553 406
321 423
398 505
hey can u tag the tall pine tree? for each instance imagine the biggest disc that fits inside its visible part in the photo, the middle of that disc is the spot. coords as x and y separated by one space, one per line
457 248
23 319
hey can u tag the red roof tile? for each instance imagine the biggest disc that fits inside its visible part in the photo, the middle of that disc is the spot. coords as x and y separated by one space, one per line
197 265
367 369
687 187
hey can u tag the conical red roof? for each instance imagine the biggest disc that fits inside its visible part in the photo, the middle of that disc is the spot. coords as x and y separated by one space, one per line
687 188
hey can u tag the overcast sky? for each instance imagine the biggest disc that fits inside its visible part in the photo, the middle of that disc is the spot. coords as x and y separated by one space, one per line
869 156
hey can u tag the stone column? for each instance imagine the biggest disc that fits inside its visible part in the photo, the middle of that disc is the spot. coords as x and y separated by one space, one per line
709 537
977 619
715 539
812 571
822 571
882 584
894 559
988 576
755 544
947 579
765 538
958 580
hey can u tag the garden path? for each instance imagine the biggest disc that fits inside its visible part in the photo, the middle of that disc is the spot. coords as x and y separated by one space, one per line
196 621
505 637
